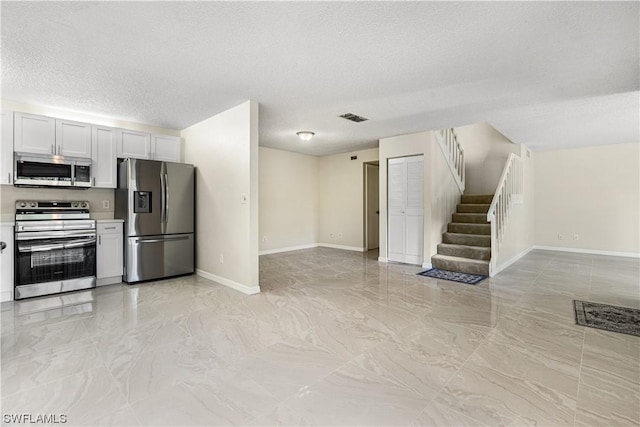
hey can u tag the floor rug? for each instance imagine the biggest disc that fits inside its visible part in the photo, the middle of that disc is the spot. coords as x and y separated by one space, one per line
612 318
469 279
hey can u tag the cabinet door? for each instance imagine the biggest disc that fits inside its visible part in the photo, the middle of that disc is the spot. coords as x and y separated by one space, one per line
6 264
134 144
6 148
104 157
34 134
165 148
109 255
73 139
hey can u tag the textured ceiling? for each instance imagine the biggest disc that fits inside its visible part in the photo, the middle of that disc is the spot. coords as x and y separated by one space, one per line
547 74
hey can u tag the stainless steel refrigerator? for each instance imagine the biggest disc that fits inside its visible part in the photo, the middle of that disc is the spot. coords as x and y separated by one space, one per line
156 201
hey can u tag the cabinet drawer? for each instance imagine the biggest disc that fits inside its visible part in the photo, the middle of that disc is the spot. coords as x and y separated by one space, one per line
110 228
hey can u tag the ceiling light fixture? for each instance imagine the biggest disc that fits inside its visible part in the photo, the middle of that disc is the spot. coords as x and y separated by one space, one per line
305 135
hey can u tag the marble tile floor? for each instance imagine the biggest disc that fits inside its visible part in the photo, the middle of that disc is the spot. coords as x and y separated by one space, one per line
335 338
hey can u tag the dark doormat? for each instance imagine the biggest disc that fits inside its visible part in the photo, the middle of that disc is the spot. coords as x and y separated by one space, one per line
612 318
469 279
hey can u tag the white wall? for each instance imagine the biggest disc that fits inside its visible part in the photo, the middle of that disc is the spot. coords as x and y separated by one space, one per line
445 196
593 192
224 149
519 231
485 152
341 184
289 199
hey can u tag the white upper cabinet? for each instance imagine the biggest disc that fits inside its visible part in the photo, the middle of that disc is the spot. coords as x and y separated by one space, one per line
6 148
134 144
165 148
73 139
103 156
34 134
46 135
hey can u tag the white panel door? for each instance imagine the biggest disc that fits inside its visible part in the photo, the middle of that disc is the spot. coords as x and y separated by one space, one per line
6 148
134 144
165 148
104 157
73 139
396 191
406 209
34 134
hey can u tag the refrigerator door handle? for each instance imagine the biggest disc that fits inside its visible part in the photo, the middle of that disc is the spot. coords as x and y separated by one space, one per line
166 239
166 198
163 196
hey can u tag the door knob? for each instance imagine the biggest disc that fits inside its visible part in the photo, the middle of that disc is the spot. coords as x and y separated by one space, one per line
377 212
3 246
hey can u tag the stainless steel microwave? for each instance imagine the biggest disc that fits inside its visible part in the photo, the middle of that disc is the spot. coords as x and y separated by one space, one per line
54 171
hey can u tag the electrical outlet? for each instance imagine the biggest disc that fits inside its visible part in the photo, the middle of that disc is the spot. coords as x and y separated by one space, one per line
560 237
221 259
576 236
106 204
331 235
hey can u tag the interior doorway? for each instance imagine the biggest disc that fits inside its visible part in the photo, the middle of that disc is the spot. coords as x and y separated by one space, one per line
371 206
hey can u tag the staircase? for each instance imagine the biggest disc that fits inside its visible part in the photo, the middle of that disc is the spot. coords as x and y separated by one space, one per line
466 246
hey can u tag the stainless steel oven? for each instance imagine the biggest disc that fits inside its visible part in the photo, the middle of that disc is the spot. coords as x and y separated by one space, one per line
55 248
57 171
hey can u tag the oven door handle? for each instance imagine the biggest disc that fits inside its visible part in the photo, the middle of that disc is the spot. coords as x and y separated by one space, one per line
40 248
79 243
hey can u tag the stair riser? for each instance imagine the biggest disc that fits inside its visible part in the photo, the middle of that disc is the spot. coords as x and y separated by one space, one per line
470 218
484 229
467 239
472 252
461 266
478 199
471 208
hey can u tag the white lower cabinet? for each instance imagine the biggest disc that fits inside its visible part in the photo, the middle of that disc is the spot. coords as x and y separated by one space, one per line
109 253
6 263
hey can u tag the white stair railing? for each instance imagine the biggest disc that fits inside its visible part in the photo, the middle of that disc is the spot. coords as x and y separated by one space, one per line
509 191
454 154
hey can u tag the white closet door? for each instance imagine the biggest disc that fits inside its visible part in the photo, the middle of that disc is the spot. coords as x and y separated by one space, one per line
414 211
406 211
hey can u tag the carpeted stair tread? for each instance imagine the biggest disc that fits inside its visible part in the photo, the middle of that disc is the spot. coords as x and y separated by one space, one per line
466 228
465 251
467 239
474 218
476 198
473 208
463 265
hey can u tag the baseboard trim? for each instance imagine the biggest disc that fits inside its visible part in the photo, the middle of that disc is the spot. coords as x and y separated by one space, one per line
346 248
510 261
427 265
287 249
249 290
108 281
589 251
382 259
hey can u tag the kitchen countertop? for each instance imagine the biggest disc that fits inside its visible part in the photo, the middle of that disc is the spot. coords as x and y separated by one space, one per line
109 220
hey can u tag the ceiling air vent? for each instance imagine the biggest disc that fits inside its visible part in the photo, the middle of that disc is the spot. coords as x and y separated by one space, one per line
353 117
